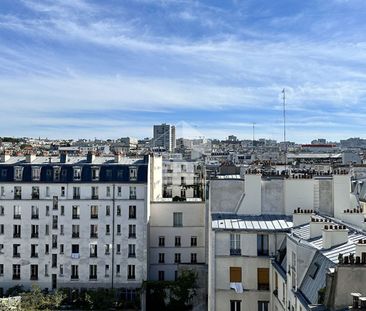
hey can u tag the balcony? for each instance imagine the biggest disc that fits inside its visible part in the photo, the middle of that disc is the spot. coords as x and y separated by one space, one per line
75 216
35 216
16 235
76 197
17 196
35 196
94 216
94 235
93 255
34 235
16 276
16 255
74 277
75 256
132 196
75 235
34 255
17 216
92 277
132 235
95 197
132 255
34 277
235 252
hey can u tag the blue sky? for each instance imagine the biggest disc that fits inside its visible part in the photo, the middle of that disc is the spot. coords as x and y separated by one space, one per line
107 69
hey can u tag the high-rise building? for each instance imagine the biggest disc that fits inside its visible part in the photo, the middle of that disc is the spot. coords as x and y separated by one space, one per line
164 137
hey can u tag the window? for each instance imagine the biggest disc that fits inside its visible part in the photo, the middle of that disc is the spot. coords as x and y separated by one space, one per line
34 250
107 249
183 181
93 231
36 173
92 272
161 275
119 191
62 248
76 193
54 241
54 222
133 173
35 193
1 269
93 250
132 212
235 274
46 249
131 272
75 231
56 173
131 250
161 257
313 270
132 193
193 241
34 272
16 272
263 278
118 249
177 257
193 258
107 210
75 212
77 173
94 211
118 270
2 210
75 249
177 241
175 275
1 248
132 231
118 229
95 173
178 219
47 191
47 230
108 173
62 191
55 202
62 212
46 270
235 305
17 231
108 191
161 241
119 210
263 305
235 249
16 250
17 193
2 229
61 270
183 168
106 271
262 245
94 191
18 173
74 272
47 210
107 229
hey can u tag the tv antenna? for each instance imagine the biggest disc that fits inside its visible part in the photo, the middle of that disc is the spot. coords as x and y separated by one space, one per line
284 126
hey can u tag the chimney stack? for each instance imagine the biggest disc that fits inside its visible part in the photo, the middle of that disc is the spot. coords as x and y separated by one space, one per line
302 216
30 157
90 157
5 156
316 226
334 235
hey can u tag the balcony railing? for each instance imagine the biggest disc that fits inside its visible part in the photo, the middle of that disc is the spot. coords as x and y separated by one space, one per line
75 234
132 196
17 196
235 252
76 197
94 197
34 235
16 235
94 235
75 216
34 277
35 216
132 255
17 216
75 255
16 255
16 276
94 216
35 196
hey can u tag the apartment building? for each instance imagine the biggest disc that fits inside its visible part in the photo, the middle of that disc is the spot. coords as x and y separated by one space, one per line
183 179
76 222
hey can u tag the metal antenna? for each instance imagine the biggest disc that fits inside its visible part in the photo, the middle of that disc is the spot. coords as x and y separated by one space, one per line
253 135
284 126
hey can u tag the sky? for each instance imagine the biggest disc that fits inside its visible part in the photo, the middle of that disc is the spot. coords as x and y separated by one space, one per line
109 69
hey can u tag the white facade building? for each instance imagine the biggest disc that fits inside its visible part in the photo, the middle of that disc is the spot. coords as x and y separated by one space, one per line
72 222
164 137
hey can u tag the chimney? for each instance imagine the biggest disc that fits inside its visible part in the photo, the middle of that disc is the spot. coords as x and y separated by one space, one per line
90 157
5 156
64 157
361 250
302 216
117 157
334 235
30 157
316 226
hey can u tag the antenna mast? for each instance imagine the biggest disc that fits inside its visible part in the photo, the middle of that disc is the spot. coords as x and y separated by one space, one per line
253 135
284 126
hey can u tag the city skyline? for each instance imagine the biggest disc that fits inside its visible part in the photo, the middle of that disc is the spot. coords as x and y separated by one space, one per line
81 69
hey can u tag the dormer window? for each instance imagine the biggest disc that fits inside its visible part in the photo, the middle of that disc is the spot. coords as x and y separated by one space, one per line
77 173
56 173
36 173
95 173
133 173
18 173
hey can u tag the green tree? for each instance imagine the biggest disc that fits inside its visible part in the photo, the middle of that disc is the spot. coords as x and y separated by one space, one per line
37 300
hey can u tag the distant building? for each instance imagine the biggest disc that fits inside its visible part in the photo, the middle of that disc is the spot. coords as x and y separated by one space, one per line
164 137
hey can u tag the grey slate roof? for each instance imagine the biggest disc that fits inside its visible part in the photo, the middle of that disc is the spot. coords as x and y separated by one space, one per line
247 222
